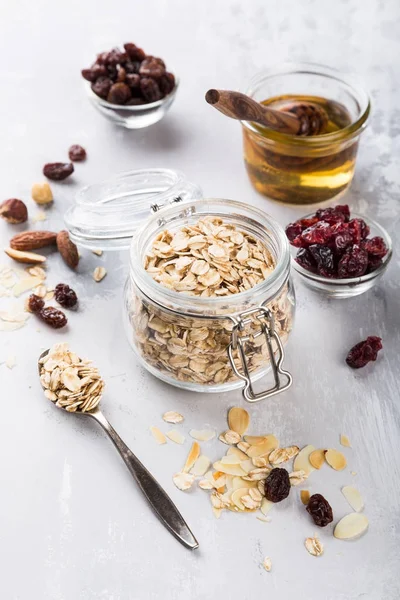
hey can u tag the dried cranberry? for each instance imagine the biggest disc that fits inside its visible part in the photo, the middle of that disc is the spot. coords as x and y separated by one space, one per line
306 260
308 222
375 247
373 263
324 258
353 263
102 86
320 510
133 80
320 233
344 209
65 295
35 303
134 53
166 83
150 90
76 153
359 230
119 93
58 171
53 317
341 237
277 485
364 352
152 67
293 230
330 215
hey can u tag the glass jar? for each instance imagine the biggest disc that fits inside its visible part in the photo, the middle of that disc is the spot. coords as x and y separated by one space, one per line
305 170
202 344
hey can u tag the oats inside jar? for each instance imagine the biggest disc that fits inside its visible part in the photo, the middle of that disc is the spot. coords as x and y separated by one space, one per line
208 259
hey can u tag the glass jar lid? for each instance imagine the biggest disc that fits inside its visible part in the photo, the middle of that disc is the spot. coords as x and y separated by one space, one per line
106 215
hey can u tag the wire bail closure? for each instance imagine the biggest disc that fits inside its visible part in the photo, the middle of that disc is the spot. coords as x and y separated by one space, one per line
238 341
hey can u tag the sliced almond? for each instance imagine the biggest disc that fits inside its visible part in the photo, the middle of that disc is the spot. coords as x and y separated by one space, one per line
231 459
241 455
229 469
263 519
201 466
254 439
335 459
302 461
238 420
314 546
344 440
205 484
217 512
202 435
304 496
317 458
243 446
269 443
266 506
175 436
11 361
183 481
25 284
25 257
172 417
351 526
193 455
237 496
267 564
158 435
353 497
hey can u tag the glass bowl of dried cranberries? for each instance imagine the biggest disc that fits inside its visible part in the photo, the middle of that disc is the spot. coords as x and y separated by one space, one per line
129 87
337 253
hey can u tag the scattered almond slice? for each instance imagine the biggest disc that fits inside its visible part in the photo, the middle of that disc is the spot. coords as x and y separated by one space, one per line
231 459
6 326
172 417
217 512
158 435
13 316
269 443
267 564
237 497
304 496
351 526
229 469
264 519
201 466
335 459
254 439
353 497
302 460
175 436
243 446
266 506
202 435
193 455
238 420
183 481
354 473
317 458
230 437
11 361
39 216
344 440
25 284
205 484
241 455
314 546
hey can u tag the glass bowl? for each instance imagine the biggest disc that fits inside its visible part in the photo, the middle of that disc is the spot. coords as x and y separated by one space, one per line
346 288
133 117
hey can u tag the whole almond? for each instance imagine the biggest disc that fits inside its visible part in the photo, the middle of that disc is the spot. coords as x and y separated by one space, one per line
32 240
67 249
13 211
25 257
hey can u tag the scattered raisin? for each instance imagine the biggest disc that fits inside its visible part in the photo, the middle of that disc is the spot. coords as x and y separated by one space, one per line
354 263
35 303
119 93
364 352
76 153
53 317
58 171
324 258
152 67
65 295
277 485
306 260
102 86
150 90
320 510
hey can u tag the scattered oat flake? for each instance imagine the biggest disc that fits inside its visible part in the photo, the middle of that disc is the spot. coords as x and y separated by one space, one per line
99 273
353 473
202 435
335 459
193 455
353 497
266 506
264 519
158 435
206 484
230 437
39 216
351 526
304 496
267 564
176 436
172 417
98 252
344 440
297 477
314 546
183 481
11 361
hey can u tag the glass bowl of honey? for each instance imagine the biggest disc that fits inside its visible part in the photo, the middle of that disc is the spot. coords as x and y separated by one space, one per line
310 169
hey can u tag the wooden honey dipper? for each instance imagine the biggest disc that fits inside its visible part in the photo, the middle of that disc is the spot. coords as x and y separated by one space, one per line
302 120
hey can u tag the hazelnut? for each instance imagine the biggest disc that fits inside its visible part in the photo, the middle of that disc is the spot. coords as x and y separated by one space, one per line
41 193
14 211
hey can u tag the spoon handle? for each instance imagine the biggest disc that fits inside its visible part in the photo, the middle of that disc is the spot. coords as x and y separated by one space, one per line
158 499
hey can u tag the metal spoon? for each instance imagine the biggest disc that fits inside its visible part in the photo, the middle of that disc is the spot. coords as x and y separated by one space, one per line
158 499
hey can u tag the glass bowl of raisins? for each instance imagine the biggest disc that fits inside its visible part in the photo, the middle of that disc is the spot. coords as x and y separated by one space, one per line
339 254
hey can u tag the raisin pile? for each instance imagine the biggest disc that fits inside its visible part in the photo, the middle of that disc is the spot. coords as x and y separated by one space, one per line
320 510
277 485
333 245
65 295
364 352
129 77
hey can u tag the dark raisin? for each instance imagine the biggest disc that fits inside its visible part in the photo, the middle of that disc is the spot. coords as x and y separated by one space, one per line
320 233
364 352
119 93
65 295
88 74
353 263
53 317
306 260
102 58
277 485
152 67
150 90
359 230
132 67
166 83
102 86
134 53
375 247
133 80
320 510
76 153
121 75
135 102
113 57
35 303
324 258
293 230
98 71
58 171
